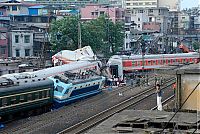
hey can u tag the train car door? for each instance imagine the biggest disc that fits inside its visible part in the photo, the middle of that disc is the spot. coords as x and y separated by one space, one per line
114 70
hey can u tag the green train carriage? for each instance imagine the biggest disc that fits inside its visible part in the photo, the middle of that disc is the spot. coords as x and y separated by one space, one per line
24 99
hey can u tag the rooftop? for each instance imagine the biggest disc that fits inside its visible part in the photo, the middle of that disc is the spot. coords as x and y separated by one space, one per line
145 121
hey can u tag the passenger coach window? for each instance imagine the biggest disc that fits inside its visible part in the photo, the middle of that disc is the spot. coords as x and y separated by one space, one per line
43 94
37 95
13 100
21 98
4 102
48 93
29 97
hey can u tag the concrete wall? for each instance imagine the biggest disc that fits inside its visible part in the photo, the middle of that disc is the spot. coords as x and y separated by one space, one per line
151 26
189 82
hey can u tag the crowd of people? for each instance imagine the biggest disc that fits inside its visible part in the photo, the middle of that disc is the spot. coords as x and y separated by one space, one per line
115 82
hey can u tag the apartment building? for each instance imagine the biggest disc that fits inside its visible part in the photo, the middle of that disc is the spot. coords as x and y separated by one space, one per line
155 19
22 43
172 5
93 11
130 4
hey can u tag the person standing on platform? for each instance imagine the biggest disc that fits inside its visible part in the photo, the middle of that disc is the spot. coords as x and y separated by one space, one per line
174 88
159 97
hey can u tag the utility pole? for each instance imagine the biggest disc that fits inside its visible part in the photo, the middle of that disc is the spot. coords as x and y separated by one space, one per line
143 45
45 40
108 30
79 32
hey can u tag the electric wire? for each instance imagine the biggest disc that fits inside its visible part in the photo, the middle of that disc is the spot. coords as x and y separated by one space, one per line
180 107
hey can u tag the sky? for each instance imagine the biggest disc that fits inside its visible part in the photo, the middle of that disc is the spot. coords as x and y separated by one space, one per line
189 3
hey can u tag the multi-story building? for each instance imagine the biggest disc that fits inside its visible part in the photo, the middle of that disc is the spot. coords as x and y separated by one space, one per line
173 5
130 4
174 22
184 21
14 7
155 19
4 27
62 3
93 11
197 22
3 42
22 43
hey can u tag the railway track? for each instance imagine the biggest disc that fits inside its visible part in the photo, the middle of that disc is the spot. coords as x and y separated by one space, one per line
165 101
49 120
96 119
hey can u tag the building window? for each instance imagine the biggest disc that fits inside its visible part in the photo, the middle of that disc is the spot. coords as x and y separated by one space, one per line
147 3
3 50
138 25
2 36
135 4
154 3
140 3
92 13
150 10
17 53
27 52
126 45
141 11
138 19
11 71
1 13
102 12
96 13
16 38
126 36
14 8
150 19
26 38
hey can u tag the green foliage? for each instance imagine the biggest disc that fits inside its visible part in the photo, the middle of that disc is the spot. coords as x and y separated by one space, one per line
196 45
68 29
94 33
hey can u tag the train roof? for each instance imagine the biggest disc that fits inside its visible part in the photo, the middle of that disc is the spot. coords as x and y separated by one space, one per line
44 73
76 80
60 69
192 54
25 86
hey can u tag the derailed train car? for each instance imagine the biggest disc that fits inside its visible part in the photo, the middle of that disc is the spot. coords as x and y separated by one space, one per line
24 98
123 64
30 93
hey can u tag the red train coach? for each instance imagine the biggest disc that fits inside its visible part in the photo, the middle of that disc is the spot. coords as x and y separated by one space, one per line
120 64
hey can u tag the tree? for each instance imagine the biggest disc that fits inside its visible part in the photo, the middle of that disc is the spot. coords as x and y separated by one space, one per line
101 34
64 33
196 45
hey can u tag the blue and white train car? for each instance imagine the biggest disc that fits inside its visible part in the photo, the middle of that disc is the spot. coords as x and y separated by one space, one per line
68 89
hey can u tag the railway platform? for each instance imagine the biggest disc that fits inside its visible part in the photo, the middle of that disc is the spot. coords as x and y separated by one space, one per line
147 121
